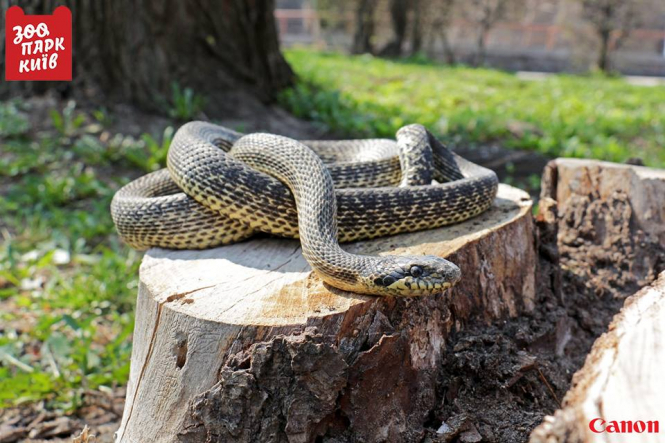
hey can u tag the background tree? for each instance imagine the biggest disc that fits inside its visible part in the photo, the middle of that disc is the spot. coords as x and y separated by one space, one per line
135 50
612 20
485 14
399 10
440 13
417 26
364 27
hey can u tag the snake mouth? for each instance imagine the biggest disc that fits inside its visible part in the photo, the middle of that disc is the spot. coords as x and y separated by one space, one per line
416 276
419 288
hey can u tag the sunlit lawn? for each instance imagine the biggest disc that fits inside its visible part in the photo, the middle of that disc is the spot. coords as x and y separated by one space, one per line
582 116
67 284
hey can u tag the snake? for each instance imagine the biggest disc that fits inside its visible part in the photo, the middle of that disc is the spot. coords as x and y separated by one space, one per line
221 187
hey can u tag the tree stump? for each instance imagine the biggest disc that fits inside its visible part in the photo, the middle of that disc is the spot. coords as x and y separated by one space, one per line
611 238
620 388
244 343
611 222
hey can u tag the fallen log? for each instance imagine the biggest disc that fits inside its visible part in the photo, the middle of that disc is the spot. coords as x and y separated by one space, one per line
244 343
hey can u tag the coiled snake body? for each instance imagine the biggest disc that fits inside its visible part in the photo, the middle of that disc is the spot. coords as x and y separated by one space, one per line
221 187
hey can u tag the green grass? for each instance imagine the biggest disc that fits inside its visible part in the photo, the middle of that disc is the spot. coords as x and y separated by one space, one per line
579 116
67 284
185 104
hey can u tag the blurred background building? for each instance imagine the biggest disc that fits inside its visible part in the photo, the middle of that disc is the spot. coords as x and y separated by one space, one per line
530 35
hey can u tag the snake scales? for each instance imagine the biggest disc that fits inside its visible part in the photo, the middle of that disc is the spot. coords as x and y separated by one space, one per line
221 187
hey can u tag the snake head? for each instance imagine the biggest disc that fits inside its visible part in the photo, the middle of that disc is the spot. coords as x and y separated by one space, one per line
409 276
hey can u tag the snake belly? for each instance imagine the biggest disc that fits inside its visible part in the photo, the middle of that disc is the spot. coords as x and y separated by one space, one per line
226 200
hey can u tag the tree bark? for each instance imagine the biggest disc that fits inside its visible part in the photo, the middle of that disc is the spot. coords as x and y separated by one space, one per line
603 54
611 222
620 381
245 344
362 38
399 19
417 28
481 52
611 235
134 51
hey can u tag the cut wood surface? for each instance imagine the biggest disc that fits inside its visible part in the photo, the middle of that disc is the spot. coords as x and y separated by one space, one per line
621 381
244 342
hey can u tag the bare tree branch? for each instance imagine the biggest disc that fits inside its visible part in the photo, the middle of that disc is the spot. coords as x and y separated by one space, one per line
611 19
441 13
486 14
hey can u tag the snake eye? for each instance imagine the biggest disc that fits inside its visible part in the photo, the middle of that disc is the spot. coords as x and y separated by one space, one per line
416 271
388 280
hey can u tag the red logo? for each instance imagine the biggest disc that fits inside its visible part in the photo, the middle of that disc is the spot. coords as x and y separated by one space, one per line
598 426
38 47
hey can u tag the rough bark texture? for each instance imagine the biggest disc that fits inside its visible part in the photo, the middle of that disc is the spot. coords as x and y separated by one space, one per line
133 51
621 379
244 343
611 243
611 223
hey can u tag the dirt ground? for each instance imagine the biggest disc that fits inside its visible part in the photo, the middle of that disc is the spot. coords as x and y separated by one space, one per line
499 381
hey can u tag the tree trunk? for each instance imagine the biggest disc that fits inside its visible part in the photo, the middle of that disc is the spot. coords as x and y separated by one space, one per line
245 344
134 51
416 29
611 222
362 38
439 27
398 17
604 53
481 52
620 382
447 48
611 234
